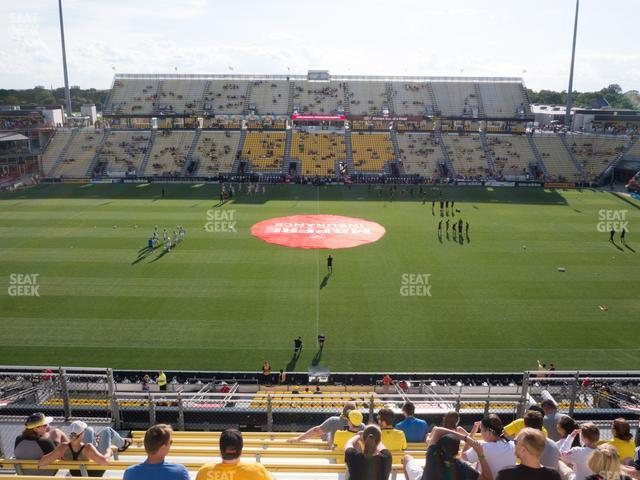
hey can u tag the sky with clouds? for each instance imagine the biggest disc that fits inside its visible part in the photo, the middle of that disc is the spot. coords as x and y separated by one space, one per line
531 39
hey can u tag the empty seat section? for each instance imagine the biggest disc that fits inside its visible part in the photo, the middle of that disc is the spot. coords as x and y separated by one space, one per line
512 154
420 154
412 98
456 99
318 152
216 152
556 158
269 97
169 152
318 97
79 155
367 98
124 151
467 155
265 151
53 151
371 151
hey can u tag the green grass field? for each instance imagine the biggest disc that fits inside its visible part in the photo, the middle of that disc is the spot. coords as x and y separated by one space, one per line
228 301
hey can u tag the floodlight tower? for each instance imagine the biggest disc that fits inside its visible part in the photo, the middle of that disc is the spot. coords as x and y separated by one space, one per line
567 117
67 93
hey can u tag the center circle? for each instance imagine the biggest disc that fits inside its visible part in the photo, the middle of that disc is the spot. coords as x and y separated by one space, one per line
318 231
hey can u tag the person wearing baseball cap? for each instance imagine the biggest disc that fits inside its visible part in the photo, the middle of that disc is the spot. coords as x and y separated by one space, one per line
354 425
76 449
231 444
328 428
36 441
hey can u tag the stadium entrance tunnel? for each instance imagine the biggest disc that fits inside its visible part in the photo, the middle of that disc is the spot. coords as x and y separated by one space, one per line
318 231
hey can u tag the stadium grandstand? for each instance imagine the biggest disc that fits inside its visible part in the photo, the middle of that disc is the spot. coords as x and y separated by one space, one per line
273 413
322 126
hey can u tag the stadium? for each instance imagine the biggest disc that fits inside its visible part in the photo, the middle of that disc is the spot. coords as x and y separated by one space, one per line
265 251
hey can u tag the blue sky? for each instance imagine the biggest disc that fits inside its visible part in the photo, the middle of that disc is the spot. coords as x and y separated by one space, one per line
393 37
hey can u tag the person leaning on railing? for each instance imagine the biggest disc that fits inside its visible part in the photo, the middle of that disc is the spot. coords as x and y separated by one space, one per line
328 428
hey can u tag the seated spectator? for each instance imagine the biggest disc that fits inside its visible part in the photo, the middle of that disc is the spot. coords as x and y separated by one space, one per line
354 425
530 444
76 449
231 444
551 417
499 451
578 457
37 440
623 440
157 442
105 438
604 462
394 439
551 454
511 430
328 428
415 429
366 456
441 462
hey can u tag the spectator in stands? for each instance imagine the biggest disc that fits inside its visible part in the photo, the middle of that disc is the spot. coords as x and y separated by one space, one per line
530 444
266 372
551 453
231 467
366 456
499 451
161 380
105 438
387 381
604 462
328 428
76 449
578 457
157 442
282 377
566 425
415 429
37 440
551 417
511 430
354 425
441 462
623 440
451 420
393 438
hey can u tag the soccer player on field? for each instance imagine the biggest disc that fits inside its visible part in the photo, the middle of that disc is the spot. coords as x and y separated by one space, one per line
622 234
611 234
330 263
447 225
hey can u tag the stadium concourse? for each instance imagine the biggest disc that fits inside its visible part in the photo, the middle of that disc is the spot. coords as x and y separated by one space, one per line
300 426
322 126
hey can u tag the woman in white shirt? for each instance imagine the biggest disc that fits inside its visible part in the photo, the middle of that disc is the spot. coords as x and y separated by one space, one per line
499 452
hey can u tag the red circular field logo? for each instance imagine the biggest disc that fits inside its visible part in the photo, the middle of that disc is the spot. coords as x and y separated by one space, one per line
318 231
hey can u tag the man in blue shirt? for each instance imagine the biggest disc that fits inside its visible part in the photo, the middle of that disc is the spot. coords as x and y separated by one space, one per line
415 430
157 442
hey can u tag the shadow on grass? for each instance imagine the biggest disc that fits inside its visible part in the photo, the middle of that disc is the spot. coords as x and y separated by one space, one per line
325 281
290 192
316 358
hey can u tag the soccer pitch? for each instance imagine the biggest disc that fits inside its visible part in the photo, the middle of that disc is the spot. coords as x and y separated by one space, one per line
224 300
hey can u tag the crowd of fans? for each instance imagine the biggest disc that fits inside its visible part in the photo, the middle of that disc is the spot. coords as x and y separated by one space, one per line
543 445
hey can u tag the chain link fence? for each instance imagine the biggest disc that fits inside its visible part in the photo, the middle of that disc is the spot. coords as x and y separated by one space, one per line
213 404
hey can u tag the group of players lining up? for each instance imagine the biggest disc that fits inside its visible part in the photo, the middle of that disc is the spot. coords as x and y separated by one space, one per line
447 208
227 191
168 239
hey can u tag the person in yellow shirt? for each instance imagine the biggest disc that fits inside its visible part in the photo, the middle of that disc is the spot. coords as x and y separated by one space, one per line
354 425
622 441
161 380
232 468
514 427
392 438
